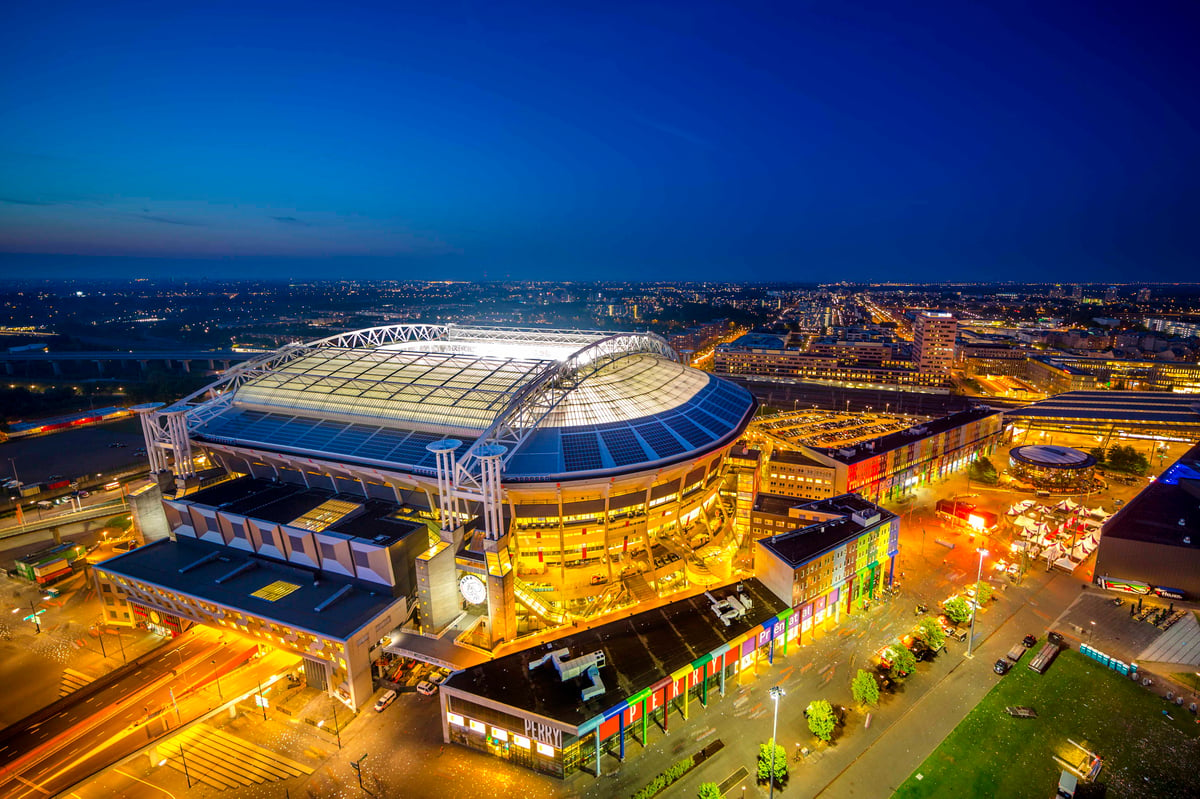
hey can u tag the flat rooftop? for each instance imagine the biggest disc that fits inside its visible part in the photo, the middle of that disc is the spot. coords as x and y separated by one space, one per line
796 458
180 566
1167 511
639 651
378 521
816 538
1133 407
902 438
774 503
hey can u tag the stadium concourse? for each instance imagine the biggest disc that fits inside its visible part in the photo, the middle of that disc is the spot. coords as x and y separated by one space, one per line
442 491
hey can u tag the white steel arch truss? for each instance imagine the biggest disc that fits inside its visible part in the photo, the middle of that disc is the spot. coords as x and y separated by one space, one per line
520 415
531 405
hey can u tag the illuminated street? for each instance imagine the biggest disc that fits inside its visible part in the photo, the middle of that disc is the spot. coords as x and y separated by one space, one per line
119 715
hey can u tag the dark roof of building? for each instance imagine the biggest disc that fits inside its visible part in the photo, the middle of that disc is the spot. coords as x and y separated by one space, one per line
160 564
796 458
902 438
1165 512
774 503
639 651
373 520
1064 367
798 547
1116 406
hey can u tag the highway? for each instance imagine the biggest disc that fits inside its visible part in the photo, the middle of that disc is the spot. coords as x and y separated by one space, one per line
53 749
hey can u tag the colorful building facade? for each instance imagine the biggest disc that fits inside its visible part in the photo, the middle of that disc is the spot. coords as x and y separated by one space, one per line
839 554
560 708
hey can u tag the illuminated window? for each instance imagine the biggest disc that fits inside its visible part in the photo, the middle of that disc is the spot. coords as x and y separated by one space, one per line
276 590
477 726
521 741
325 514
543 749
455 719
499 735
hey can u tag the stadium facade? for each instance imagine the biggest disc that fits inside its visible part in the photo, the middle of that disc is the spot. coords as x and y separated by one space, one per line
504 481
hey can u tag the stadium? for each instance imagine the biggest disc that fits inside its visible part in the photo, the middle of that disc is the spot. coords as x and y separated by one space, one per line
555 475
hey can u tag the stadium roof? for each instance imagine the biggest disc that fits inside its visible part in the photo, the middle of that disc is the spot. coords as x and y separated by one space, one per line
573 402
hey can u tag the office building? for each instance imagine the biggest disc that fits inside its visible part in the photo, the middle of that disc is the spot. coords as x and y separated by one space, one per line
838 553
933 342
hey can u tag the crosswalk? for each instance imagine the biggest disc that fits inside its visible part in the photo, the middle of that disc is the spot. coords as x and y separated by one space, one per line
72 681
223 761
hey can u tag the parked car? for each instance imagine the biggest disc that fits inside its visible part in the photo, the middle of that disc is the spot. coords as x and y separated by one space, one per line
438 677
599 579
425 688
1054 637
1002 666
1029 641
385 700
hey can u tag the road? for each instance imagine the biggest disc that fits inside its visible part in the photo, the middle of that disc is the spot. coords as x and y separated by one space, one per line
51 750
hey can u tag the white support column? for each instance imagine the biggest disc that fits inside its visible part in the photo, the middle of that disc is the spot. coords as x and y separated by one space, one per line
448 509
490 456
181 445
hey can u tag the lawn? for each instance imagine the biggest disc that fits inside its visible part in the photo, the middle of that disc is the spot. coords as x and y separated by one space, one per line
991 754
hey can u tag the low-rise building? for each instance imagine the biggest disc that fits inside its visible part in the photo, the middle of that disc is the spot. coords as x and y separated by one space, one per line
562 707
796 474
1054 377
838 554
1152 545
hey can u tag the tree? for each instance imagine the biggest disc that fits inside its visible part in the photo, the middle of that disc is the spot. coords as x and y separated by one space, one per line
1128 459
864 688
1099 453
821 720
985 592
903 662
764 762
984 471
931 633
709 790
957 610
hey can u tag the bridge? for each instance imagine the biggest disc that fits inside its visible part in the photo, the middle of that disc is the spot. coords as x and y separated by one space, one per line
181 359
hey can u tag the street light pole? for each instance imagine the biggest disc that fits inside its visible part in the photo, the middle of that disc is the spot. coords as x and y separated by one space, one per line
775 691
336 729
978 576
217 674
185 768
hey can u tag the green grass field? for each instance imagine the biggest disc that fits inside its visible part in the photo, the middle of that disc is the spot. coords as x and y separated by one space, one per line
992 754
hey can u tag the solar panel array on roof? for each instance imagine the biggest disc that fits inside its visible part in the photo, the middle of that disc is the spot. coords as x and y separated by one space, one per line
322 435
623 446
659 439
690 432
581 452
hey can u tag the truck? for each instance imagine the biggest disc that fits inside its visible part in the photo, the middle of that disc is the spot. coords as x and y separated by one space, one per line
1041 662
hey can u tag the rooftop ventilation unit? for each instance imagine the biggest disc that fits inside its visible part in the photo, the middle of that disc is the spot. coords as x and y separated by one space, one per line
733 607
568 669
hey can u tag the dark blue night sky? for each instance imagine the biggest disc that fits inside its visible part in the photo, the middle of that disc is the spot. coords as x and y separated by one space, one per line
802 141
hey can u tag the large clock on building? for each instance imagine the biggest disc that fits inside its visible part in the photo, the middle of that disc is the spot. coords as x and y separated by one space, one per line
472 589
